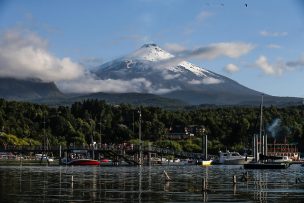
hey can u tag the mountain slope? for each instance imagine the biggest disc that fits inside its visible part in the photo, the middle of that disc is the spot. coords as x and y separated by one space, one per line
171 77
133 98
17 89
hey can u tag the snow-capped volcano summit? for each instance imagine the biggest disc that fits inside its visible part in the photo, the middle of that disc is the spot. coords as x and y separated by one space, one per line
150 60
163 59
150 69
150 52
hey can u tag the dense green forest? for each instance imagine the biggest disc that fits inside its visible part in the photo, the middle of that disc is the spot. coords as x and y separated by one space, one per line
227 127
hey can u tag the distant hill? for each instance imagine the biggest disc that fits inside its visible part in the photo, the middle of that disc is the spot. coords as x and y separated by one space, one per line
17 89
118 98
134 98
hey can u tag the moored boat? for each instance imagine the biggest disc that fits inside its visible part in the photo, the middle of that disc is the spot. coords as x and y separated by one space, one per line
82 162
232 158
206 162
79 158
266 165
276 159
261 158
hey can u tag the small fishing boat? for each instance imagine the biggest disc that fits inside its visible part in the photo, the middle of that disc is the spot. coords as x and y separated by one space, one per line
84 162
232 158
43 157
276 159
81 162
266 165
79 158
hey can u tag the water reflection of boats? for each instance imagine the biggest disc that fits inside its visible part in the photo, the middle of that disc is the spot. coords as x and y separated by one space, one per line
232 158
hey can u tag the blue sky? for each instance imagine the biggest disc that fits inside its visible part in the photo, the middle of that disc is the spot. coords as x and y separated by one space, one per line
67 36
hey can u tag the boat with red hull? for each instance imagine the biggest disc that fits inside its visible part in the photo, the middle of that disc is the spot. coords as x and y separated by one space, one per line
83 162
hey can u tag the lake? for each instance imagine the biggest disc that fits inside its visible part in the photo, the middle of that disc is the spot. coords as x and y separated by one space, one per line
148 184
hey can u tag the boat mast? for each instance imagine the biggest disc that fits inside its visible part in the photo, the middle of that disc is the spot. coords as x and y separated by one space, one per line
261 146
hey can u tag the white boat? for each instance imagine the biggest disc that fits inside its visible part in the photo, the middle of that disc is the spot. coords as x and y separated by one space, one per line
43 157
189 161
283 159
233 158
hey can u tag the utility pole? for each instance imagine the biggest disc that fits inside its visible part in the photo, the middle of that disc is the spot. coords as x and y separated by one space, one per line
100 131
261 146
139 137
44 134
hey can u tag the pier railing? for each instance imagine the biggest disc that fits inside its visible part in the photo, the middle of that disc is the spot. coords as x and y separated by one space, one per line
119 149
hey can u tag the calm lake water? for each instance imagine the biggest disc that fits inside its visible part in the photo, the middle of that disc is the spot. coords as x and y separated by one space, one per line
147 184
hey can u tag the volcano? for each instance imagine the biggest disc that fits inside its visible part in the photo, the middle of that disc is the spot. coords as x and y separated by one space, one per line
160 72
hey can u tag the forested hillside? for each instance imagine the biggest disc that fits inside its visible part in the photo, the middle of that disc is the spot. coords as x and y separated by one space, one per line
82 122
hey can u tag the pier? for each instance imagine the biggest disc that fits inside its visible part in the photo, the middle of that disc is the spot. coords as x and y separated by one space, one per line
120 152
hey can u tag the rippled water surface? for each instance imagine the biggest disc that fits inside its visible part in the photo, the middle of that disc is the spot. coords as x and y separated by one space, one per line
148 184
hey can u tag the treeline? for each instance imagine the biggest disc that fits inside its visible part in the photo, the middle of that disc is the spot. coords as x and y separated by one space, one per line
93 120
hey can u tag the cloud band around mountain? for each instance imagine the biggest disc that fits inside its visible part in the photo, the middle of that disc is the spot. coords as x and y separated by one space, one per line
212 51
89 84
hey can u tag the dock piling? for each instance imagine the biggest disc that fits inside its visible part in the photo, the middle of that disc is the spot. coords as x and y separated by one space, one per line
234 180
167 177
204 184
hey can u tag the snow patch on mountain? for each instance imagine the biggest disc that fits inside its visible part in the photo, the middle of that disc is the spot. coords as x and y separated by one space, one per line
150 52
194 69
163 59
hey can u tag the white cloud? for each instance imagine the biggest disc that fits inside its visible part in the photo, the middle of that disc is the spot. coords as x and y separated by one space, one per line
279 67
274 46
206 81
89 84
202 16
23 54
270 69
168 76
273 34
211 52
231 68
228 49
